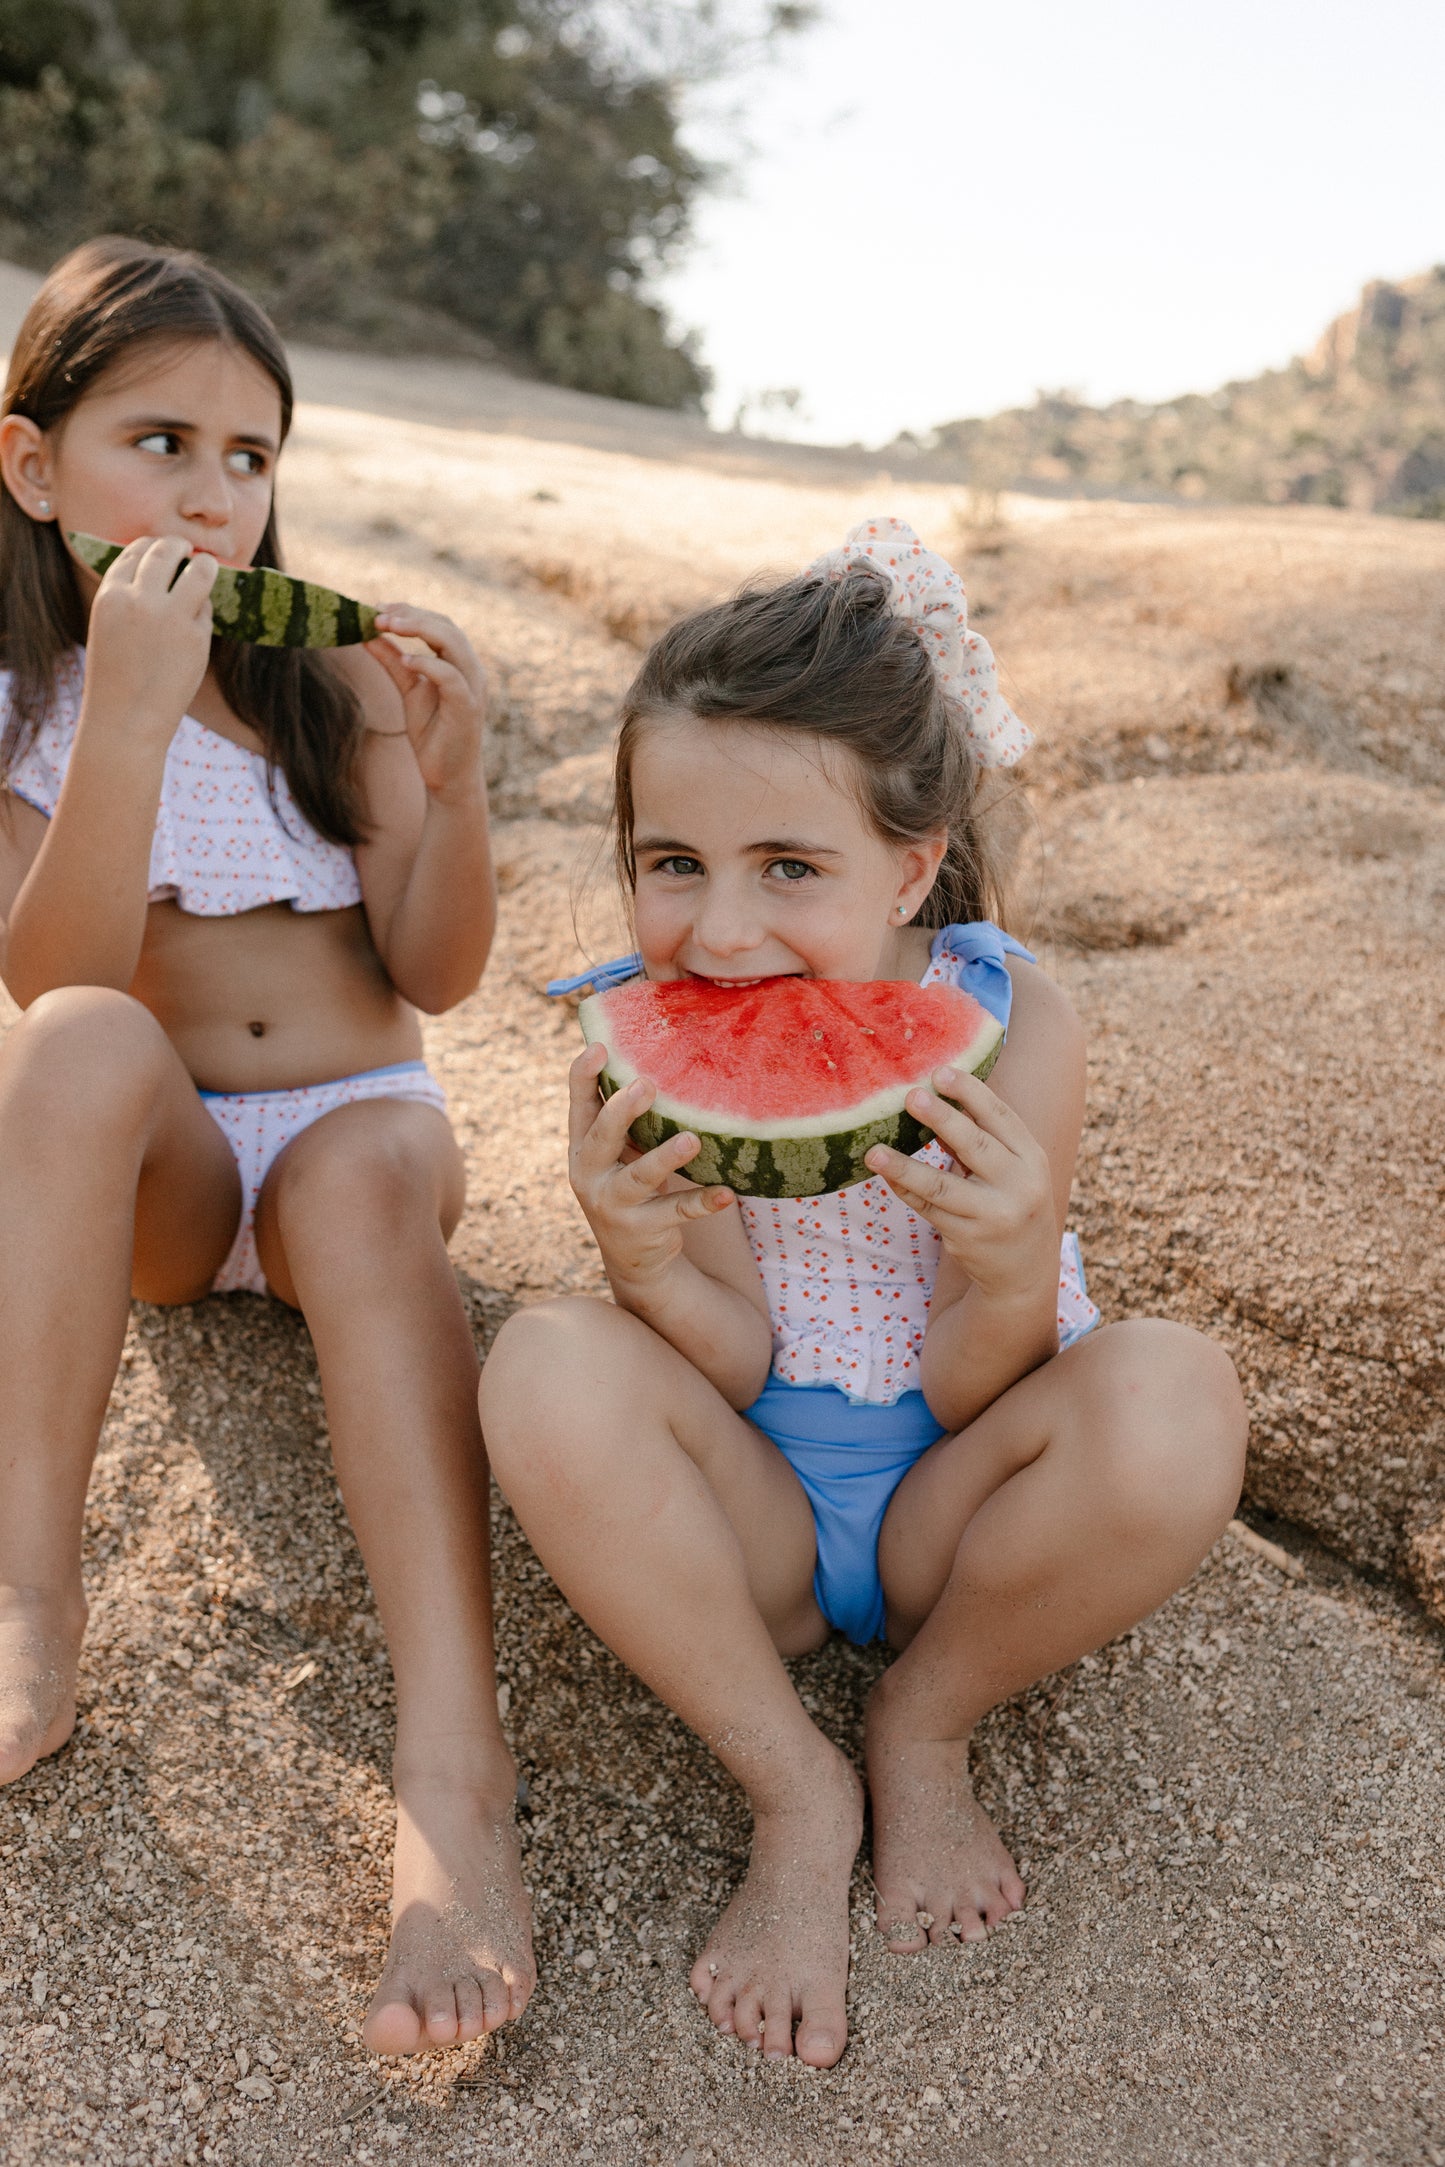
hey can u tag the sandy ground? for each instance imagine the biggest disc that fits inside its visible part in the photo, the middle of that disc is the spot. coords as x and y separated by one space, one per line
1234 1950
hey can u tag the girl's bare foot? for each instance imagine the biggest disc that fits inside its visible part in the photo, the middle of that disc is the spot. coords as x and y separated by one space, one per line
775 1969
40 1636
939 1867
460 1961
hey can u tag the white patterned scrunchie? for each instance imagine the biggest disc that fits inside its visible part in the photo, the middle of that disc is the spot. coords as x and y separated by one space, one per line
929 593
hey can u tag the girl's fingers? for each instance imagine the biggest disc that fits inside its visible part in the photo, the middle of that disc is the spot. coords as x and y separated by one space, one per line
160 563
648 1173
584 1098
442 636
959 1134
196 579
991 1113
699 1202
122 573
928 1188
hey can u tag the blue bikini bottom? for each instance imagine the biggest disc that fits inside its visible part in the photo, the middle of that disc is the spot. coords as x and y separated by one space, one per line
850 1457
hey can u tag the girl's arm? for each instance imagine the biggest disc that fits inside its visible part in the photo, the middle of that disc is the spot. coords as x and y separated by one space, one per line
675 1254
77 915
1000 1210
426 865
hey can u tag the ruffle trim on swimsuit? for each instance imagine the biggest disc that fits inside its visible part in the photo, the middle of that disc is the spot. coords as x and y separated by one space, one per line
229 835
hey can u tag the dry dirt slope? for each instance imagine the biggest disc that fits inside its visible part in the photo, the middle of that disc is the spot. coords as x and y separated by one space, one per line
1236 1950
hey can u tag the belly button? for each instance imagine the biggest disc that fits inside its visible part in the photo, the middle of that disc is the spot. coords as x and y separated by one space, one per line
257 1030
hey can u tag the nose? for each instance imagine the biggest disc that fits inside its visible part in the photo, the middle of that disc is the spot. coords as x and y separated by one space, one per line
207 499
727 923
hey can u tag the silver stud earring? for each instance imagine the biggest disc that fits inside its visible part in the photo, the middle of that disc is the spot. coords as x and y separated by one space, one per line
44 507
902 910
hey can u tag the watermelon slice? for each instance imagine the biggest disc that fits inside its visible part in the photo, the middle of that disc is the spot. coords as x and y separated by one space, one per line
790 1081
263 607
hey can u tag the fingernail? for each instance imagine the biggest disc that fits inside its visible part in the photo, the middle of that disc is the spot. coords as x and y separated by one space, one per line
920 1102
948 1075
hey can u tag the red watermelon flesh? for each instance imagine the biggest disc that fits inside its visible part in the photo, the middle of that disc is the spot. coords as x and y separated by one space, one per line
787 1082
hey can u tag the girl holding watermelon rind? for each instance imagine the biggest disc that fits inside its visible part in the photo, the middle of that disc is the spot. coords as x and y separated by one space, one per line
228 879
886 1409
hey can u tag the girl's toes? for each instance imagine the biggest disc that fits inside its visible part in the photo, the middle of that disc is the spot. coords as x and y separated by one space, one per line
822 2030
900 1926
722 2005
1013 1889
971 1924
748 2016
519 1983
392 2024
777 2032
703 1978
496 1999
472 2010
441 2014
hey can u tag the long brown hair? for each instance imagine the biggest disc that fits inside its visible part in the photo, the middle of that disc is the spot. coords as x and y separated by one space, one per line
829 658
95 309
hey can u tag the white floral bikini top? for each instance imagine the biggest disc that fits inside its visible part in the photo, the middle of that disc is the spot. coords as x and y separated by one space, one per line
229 836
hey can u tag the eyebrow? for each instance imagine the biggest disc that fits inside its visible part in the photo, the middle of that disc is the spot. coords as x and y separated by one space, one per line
176 427
787 846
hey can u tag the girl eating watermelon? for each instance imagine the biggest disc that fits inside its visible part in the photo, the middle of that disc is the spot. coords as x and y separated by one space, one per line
888 1409
229 877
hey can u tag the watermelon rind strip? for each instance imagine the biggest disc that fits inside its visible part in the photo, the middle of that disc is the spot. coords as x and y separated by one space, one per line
261 606
805 1156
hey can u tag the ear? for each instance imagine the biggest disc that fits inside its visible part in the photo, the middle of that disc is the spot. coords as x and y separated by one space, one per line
918 865
25 465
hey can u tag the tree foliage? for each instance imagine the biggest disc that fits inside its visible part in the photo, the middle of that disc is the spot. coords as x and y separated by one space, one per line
510 170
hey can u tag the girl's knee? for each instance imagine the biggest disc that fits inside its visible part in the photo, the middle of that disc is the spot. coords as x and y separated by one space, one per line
540 1375
1168 1424
368 1175
89 1052
544 1347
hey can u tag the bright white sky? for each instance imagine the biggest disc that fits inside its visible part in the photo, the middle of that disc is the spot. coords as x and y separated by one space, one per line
950 204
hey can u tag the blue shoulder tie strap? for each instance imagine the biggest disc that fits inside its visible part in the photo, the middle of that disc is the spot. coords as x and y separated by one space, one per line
601 978
981 948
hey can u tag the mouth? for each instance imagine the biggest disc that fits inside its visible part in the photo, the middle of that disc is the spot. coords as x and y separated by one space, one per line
705 978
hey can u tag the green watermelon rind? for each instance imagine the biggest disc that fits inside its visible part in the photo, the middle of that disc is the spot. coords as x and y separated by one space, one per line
263 607
812 1164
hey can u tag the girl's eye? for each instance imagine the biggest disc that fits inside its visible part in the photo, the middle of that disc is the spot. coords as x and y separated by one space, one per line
164 441
790 870
680 868
246 462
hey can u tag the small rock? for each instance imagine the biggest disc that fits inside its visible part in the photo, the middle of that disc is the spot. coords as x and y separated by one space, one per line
39 1988
584 1960
243 2060
257 2087
1157 747
193 2098
932 2097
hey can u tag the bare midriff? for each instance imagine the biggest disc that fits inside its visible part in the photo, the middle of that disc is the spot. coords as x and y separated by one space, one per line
272 999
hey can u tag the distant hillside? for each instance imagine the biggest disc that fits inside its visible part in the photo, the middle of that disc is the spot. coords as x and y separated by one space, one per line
1360 421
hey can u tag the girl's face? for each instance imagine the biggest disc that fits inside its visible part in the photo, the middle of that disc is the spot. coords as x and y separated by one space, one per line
756 860
183 442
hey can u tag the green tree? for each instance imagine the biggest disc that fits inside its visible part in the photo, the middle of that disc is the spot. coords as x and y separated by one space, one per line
512 167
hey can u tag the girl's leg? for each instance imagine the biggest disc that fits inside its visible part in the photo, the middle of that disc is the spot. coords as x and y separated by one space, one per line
1068 1511
683 1538
352 1225
111 1173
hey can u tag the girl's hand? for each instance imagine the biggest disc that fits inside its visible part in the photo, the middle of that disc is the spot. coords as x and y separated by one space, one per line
149 642
634 1206
443 697
995 1209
